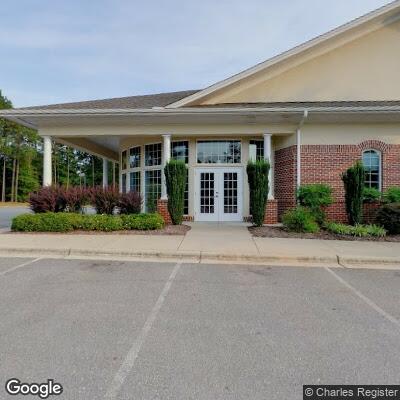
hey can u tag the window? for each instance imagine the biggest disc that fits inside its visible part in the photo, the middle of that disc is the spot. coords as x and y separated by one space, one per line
218 152
372 164
123 189
153 189
259 148
134 157
123 160
152 154
180 151
134 181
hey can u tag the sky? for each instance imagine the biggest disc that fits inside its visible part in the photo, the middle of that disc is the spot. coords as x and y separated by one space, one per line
54 51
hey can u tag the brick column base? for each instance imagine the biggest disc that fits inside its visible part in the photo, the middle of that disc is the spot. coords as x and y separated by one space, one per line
271 212
162 209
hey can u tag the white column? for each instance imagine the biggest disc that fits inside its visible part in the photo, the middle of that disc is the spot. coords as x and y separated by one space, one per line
268 157
105 173
166 156
298 158
47 178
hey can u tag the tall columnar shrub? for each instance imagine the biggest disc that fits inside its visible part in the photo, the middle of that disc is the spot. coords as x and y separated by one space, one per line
175 178
315 197
353 180
257 175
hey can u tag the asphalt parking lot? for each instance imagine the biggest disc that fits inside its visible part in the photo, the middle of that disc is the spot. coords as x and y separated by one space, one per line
8 213
137 330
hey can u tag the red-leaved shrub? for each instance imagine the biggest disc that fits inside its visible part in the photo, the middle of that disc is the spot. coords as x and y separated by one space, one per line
130 203
104 200
76 198
47 199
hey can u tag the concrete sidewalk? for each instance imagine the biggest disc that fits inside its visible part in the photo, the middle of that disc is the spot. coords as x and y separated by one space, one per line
206 242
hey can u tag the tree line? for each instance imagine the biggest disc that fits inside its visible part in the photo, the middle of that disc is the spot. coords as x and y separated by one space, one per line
21 162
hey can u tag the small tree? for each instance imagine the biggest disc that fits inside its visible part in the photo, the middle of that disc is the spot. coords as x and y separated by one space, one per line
257 175
315 197
353 180
175 179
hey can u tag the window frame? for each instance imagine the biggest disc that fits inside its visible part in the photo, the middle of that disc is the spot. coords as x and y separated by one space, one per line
158 166
129 167
379 154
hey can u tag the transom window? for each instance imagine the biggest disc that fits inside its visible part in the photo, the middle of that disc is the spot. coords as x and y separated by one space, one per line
134 181
218 152
180 151
372 164
152 154
259 148
134 157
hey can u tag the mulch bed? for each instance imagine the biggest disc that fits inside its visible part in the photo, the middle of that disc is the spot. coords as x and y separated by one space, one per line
167 230
281 232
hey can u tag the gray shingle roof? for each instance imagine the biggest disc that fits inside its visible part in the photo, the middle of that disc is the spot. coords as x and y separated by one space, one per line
144 101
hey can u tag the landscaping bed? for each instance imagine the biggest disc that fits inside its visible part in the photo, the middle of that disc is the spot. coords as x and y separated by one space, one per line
282 232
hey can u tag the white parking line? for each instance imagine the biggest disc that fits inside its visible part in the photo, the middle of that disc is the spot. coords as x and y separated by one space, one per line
19 266
130 358
365 299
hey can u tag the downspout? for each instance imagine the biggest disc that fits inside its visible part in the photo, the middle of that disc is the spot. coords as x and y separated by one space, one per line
298 142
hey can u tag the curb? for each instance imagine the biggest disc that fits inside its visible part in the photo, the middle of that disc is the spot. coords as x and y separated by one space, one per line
202 257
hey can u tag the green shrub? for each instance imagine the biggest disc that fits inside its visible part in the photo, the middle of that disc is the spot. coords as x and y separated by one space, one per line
392 195
257 175
43 222
300 219
142 222
353 180
389 217
65 222
175 179
371 195
315 197
357 230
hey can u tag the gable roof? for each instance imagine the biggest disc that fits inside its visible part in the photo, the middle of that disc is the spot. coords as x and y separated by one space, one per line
131 102
317 46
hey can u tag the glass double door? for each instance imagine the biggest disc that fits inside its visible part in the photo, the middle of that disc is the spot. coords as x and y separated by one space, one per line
218 194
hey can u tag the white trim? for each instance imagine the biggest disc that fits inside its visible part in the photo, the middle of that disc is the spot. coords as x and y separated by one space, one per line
355 24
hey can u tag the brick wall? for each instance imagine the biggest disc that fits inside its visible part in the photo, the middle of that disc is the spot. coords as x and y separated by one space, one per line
325 164
271 212
285 178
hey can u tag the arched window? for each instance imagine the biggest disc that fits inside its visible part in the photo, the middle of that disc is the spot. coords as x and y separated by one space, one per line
372 164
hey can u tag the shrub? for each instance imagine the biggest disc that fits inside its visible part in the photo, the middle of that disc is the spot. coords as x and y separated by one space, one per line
175 179
392 195
65 222
47 199
142 221
130 203
315 197
357 230
371 195
43 222
300 219
104 200
389 217
257 175
75 198
353 180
